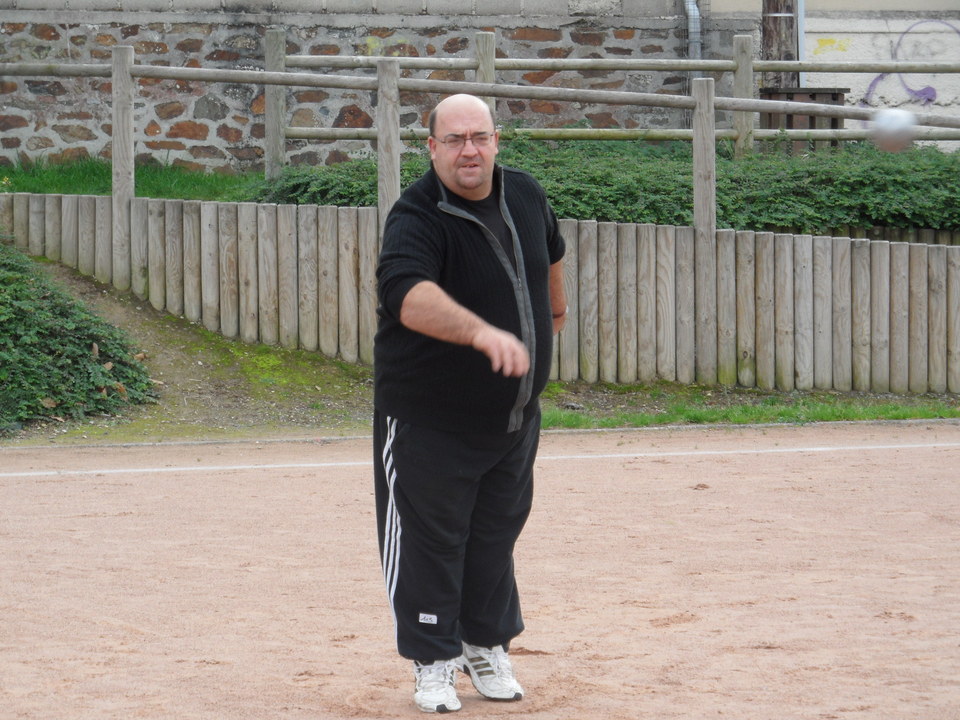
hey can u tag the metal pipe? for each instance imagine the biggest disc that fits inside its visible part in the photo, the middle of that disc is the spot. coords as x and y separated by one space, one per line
694 42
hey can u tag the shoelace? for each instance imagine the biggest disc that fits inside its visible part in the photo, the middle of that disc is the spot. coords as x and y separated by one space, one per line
435 676
498 662
501 663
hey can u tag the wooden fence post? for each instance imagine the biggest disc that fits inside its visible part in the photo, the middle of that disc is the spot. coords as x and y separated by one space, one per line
569 338
247 272
822 313
743 122
287 280
122 157
746 284
705 226
647 303
879 315
51 227
607 299
667 302
937 319
275 105
486 50
764 338
268 294
307 286
860 314
139 250
588 296
173 222
686 305
388 136
21 221
953 319
210 266
36 225
6 218
229 269
783 313
157 254
69 204
842 328
192 292
803 311
899 317
627 303
103 238
917 322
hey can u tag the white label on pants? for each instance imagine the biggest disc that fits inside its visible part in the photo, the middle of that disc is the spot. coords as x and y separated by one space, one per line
428 619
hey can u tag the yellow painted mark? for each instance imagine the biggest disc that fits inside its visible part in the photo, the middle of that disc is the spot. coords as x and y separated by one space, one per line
827 45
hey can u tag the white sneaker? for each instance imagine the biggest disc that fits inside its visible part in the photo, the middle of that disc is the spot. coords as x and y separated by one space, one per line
491 672
435 686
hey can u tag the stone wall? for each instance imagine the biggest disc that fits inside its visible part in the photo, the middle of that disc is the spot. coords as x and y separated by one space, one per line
220 126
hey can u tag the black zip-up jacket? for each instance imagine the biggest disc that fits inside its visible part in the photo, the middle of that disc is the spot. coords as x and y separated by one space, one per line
438 384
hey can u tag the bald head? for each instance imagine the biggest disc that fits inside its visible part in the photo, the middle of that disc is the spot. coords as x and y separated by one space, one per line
463 145
456 104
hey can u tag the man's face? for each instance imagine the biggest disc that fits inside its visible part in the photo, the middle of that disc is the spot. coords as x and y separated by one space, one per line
464 167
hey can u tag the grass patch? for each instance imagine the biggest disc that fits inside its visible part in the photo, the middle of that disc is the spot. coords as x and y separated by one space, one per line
94 177
576 406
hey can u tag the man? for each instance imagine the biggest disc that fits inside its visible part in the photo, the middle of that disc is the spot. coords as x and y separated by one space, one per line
470 286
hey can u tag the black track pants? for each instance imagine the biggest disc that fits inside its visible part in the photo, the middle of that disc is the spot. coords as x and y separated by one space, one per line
450 507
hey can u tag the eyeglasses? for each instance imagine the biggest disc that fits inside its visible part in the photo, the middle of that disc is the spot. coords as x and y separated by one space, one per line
456 142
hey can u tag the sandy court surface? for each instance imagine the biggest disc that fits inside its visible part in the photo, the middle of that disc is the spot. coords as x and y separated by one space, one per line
750 573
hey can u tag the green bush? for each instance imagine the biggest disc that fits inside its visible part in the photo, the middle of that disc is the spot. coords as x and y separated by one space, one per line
856 186
57 359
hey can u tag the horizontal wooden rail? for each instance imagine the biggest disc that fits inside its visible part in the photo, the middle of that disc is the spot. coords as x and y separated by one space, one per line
370 61
53 70
855 67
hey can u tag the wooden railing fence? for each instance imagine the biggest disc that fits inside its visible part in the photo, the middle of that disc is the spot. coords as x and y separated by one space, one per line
684 304
647 302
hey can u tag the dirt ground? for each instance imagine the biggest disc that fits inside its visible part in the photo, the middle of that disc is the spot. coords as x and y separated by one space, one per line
750 573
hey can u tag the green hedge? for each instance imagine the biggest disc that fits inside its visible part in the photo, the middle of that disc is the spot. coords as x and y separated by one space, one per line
858 186
57 359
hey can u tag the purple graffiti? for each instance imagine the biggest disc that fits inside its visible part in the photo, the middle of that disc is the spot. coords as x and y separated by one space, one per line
924 95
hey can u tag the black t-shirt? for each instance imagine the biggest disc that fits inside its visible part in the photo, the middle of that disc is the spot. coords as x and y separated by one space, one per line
488 212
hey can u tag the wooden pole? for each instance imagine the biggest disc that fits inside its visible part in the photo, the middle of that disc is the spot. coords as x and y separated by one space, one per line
803 311
783 313
486 49
388 136
918 330
275 107
705 229
746 284
647 303
743 122
860 296
569 338
589 299
607 299
953 319
686 305
937 318
122 160
627 303
880 316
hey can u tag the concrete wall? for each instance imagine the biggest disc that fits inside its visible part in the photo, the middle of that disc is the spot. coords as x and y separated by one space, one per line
914 37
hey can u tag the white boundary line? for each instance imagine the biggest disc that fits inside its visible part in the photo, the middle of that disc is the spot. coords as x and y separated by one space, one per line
541 458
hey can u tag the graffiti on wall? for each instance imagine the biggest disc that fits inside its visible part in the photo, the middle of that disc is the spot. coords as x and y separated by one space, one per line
908 48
